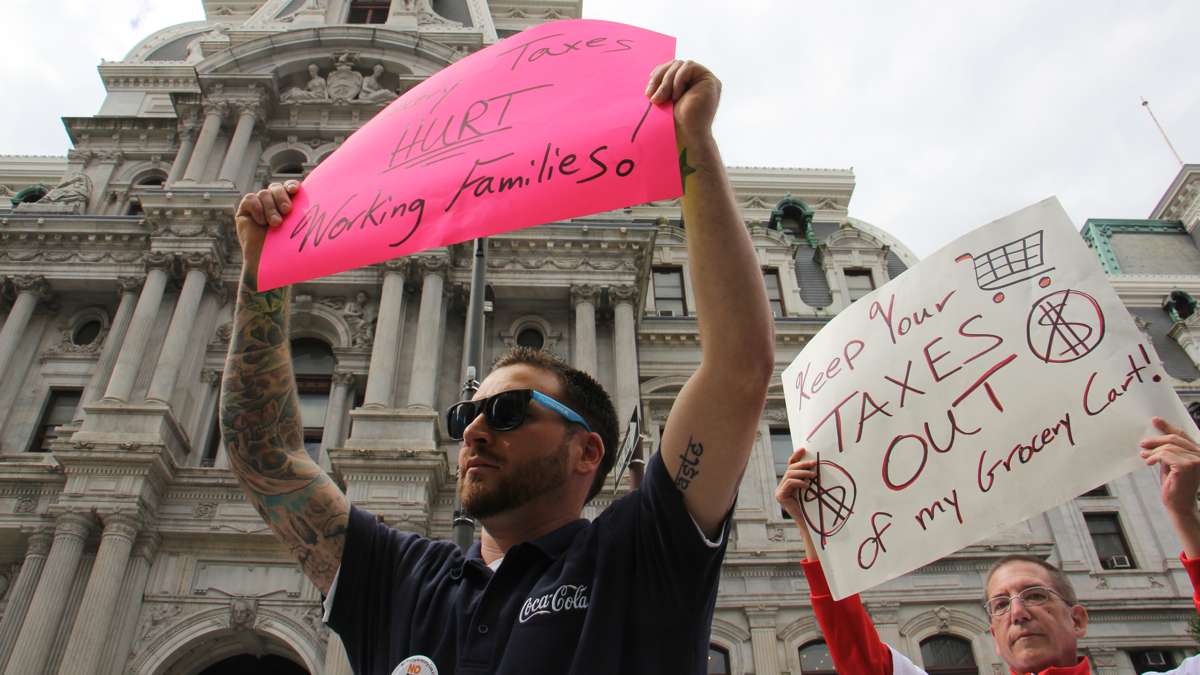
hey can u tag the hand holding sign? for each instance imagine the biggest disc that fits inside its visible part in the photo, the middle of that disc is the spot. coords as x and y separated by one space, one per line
551 123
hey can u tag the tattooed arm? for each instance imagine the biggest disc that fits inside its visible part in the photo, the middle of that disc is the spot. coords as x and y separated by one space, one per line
260 410
712 425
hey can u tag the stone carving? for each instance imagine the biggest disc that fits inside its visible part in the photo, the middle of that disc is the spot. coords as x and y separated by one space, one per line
39 542
776 534
344 83
71 195
155 622
943 618
205 510
361 314
317 89
343 377
159 259
224 332
584 293
372 91
33 284
243 612
26 504
427 17
313 618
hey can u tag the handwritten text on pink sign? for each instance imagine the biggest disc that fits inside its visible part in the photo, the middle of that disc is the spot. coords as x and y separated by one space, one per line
551 123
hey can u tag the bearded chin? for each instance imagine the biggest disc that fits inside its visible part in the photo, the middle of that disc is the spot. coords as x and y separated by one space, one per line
520 485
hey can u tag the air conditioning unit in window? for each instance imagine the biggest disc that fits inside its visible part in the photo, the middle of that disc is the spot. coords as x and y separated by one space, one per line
1119 562
1155 659
666 312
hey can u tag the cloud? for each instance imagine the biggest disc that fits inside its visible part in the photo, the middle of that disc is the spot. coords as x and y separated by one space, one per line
952 114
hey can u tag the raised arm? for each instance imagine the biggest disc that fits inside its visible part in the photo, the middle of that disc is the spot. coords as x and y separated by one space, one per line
260 410
712 425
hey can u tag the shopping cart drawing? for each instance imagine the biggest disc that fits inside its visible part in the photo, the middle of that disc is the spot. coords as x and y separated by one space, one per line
1010 264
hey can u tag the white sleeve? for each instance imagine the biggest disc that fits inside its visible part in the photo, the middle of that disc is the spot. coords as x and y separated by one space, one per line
328 603
902 666
1190 666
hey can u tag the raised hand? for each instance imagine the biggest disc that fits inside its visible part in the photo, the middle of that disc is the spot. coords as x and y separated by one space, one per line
695 91
257 212
1178 458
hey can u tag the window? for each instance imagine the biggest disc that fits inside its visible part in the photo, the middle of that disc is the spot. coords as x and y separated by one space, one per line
368 11
60 409
815 659
209 458
1146 660
859 283
531 338
313 362
774 292
781 450
948 655
1109 541
86 333
668 291
718 661
1101 491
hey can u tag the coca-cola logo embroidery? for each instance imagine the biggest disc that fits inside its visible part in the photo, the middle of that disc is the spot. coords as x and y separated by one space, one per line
562 599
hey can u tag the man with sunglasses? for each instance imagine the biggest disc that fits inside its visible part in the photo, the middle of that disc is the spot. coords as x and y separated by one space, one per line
1036 620
543 592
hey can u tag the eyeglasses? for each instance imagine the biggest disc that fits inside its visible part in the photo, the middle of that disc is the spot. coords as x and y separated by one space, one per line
504 411
1033 596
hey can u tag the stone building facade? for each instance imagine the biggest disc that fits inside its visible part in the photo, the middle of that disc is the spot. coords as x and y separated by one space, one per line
125 543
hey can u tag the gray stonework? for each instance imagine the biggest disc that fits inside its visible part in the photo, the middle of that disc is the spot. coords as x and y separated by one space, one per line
129 547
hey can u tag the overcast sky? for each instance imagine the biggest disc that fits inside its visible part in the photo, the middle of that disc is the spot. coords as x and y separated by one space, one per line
951 114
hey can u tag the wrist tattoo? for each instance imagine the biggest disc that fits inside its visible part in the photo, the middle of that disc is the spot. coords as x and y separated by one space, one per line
685 169
689 464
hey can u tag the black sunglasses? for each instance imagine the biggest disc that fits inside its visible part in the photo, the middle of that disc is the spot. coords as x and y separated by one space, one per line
504 411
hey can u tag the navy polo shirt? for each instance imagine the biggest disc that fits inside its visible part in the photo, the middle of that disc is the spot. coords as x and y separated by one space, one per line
630 592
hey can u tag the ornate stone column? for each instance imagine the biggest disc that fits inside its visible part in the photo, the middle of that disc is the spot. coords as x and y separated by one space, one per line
249 115
112 343
50 599
187 143
381 377
335 414
427 351
625 350
763 641
584 299
22 590
120 385
1187 334
200 268
30 291
129 604
214 113
92 623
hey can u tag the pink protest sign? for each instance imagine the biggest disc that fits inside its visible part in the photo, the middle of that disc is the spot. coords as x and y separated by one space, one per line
548 124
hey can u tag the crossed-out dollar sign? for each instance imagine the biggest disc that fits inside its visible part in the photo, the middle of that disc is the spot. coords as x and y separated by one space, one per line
832 494
1064 326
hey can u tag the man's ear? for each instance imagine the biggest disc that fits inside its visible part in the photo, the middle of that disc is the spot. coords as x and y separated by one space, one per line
591 452
1079 620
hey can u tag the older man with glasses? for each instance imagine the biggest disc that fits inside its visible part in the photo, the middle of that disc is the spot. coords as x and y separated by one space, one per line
1036 620
543 592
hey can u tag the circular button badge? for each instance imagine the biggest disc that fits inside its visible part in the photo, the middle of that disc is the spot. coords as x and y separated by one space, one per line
416 665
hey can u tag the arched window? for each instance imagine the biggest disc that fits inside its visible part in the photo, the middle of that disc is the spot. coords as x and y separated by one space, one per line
718 661
288 164
313 363
815 659
152 179
531 337
948 655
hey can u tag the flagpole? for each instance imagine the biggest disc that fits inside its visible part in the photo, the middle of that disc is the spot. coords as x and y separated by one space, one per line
464 524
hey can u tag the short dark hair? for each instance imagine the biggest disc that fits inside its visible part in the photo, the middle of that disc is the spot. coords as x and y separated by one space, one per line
581 393
1058 580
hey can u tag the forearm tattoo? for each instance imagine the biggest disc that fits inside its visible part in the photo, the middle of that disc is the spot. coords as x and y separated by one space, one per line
260 423
685 169
689 464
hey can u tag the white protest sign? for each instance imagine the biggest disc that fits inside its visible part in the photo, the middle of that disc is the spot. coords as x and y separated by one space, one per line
998 378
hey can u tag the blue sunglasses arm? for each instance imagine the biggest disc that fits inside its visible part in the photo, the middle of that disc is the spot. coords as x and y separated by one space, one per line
561 409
